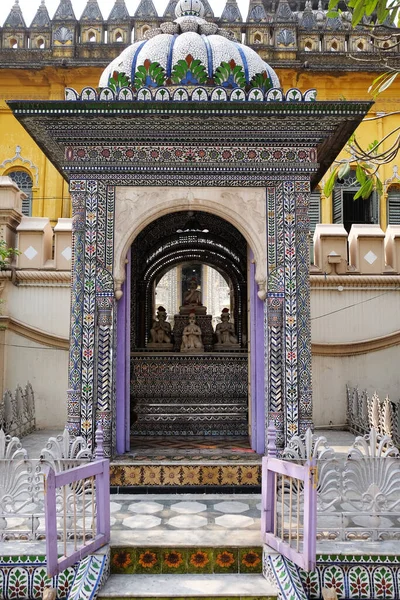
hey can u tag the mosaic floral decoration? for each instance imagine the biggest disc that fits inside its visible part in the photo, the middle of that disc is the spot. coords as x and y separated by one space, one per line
226 560
118 81
120 561
230 75
150 74
174 561
181 560
148 559
186 475
200 560
262 81
250 560
352 577
26 577
189 71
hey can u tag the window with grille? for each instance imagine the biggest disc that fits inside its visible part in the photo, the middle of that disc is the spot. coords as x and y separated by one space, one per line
24 182
393 206
348 211
314 212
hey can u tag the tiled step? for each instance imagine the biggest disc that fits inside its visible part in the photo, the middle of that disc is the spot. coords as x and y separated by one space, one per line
238 587
206 476
155 560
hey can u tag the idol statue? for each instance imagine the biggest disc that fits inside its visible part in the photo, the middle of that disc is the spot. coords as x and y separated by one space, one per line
191 337
225 332
192 300
161 331
193 296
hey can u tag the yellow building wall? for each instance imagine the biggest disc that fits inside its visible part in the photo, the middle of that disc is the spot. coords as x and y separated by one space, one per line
50 191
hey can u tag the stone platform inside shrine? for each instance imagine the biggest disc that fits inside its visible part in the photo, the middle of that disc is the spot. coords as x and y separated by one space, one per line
189 395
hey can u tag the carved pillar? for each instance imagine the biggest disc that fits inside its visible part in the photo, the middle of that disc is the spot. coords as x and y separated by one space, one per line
104 368
287 318
78 191
91 368
273 312
303 305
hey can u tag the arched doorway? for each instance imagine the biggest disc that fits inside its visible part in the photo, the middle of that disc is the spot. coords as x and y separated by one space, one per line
208 393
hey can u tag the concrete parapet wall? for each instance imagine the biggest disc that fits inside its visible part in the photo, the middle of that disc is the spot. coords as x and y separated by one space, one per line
365 250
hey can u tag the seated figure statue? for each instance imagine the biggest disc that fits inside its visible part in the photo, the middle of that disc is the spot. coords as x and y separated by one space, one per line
191 337
192 300
161 331
225 332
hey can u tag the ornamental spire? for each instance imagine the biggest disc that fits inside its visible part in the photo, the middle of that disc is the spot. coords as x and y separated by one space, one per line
119 12
64 12
15 18
231 12
145 9
256 12
92 12
42 18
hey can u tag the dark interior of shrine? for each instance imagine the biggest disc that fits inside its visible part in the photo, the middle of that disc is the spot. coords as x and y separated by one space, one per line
175 391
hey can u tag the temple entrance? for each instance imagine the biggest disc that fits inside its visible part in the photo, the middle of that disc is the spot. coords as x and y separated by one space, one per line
189 323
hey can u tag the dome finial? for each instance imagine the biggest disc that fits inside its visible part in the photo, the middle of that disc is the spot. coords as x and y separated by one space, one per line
192 8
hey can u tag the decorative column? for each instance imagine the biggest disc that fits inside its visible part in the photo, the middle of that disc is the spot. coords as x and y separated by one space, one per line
303 306
273 313
78 190
91 366
287 318
257 381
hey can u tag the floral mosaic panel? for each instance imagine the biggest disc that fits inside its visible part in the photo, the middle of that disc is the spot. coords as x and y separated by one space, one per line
351 576
185 475
186 560
26 577
184 154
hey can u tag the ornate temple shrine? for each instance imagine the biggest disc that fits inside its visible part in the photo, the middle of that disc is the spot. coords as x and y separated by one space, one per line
190 155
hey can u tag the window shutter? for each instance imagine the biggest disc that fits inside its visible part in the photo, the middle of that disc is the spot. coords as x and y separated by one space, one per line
394 207
337 205
24 182
314 212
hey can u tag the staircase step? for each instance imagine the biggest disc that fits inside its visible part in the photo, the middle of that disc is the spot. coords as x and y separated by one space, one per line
238 587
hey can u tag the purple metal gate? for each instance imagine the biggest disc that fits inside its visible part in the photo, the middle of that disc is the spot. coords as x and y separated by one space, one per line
289 509
83 493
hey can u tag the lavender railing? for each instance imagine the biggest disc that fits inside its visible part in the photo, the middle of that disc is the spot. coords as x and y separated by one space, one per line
289 508
85 503
85 492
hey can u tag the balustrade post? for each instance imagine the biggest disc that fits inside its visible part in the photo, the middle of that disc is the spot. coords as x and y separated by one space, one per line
99 436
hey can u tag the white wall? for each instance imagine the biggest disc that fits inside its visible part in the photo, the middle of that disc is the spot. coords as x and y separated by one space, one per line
47 370
44 307
377 371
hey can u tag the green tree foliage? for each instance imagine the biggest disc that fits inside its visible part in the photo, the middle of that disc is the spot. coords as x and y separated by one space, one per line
382 18
6 255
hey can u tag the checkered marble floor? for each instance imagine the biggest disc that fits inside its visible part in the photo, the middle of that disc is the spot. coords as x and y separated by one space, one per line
185 518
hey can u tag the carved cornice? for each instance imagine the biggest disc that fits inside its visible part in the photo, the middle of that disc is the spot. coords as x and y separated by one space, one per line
34 334
62 278
352 281
355 348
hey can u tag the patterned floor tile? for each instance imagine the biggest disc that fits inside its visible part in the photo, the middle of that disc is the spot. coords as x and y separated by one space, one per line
234 521
144 508
189 507
187 522
141 522
231 507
